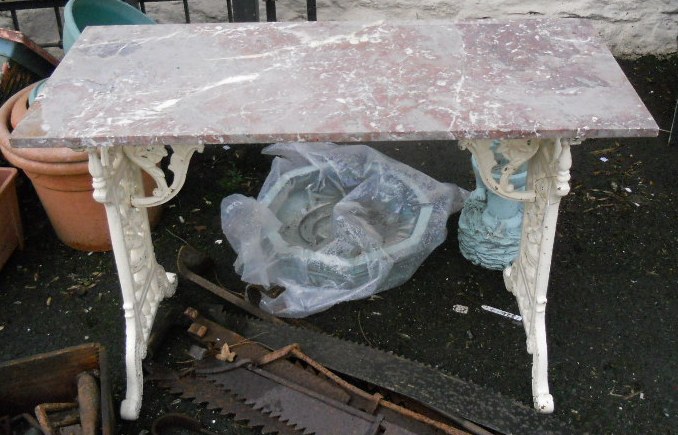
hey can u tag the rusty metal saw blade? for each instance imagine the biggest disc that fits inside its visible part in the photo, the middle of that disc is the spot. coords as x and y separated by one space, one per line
297 406
201 390
441 392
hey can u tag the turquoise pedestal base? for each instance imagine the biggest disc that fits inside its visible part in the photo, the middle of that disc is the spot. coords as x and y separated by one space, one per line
490 226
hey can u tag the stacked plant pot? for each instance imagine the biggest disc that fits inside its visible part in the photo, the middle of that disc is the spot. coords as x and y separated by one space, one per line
63 183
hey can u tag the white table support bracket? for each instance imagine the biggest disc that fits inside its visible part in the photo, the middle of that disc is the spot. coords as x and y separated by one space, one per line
148 158
117 181
548 176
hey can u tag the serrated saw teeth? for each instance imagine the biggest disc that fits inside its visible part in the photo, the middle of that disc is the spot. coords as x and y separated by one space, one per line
294 398
202 391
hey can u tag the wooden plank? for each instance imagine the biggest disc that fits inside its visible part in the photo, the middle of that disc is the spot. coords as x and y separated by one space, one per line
50 377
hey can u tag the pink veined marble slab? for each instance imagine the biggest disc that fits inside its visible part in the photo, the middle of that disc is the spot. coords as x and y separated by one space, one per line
334 81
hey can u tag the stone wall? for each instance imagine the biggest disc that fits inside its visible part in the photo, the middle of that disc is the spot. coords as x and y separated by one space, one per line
629 27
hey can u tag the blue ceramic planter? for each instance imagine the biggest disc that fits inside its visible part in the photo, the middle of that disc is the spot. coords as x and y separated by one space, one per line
79 14
490 226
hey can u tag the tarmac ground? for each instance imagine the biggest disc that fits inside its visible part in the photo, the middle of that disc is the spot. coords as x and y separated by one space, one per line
611 322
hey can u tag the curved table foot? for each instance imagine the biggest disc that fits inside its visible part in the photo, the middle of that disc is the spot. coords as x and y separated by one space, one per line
544 403
144 283
130 407
527 278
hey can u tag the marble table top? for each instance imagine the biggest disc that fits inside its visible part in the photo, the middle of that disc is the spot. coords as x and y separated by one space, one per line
334 81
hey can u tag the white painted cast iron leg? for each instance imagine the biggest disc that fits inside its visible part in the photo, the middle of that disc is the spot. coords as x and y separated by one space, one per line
527 278
144 283
549 162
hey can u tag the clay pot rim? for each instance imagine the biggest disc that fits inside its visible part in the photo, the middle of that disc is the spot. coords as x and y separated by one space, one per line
53 161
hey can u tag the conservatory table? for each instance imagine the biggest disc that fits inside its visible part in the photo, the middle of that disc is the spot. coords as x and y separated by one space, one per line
130 95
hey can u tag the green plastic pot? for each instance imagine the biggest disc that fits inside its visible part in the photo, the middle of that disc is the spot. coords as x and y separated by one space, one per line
36 91
79 14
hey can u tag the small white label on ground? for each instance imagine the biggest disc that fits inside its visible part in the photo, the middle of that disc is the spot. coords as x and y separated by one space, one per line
461 309
511 316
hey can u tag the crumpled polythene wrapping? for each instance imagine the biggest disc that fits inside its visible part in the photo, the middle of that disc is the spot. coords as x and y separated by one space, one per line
335 223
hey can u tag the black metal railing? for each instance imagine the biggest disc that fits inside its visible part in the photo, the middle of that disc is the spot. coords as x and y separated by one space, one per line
238 11
18 5
141 5
311 10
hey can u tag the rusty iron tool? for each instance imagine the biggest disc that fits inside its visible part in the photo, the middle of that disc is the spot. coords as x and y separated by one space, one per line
53 416
474 408
374 401
89 403
298 406
216 335
201 390
190 259
315 413
303 393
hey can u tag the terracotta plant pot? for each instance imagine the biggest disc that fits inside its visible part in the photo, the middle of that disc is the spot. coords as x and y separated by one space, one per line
11 231
62 180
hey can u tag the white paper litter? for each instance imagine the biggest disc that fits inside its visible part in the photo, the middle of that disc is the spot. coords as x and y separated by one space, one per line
461 309
502 313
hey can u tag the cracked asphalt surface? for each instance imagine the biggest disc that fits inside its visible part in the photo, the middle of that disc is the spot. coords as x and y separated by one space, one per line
611 322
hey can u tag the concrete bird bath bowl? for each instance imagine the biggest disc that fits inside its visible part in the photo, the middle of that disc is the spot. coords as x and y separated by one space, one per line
305 210
335 223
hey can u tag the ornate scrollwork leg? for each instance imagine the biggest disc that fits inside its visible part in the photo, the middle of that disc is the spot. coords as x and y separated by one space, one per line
527 278
144 283
148 158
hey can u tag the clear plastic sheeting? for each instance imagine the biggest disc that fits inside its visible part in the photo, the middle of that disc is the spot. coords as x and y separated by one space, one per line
335 223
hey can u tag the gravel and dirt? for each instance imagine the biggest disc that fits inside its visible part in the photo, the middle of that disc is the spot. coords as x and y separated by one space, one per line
611 321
